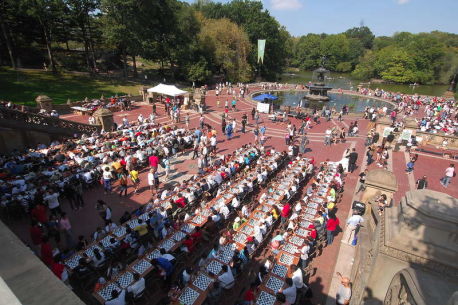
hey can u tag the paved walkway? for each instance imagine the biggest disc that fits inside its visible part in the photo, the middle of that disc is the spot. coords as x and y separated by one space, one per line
336 257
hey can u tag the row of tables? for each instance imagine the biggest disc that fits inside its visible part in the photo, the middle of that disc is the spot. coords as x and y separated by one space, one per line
289 253
170 243
196 291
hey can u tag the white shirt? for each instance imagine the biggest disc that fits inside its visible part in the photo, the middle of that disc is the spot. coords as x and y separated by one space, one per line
107 175
53 200
298 279
137 288
343 294
150 179
120 300
290 294
226 279
355 220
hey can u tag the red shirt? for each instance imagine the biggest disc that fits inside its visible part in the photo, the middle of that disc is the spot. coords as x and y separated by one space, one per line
312 233
285 210
153 161
35 235
46 253
249 295
332 224
189 243
196 235
57 269
39 213
181 202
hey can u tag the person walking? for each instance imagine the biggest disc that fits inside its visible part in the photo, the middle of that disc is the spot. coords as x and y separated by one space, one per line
229 131
353 224
186 120
352 158
107 176
122 176
449 174
422 183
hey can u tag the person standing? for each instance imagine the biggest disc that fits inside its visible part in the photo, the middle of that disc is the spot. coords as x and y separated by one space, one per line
122 176
422 183
362 181
331 227
353 224
52 198
352 158
343 294
449 174
107 176
253 112
229 131
66 227
186 120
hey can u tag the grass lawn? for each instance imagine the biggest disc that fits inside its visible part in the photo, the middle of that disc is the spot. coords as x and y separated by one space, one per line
24 86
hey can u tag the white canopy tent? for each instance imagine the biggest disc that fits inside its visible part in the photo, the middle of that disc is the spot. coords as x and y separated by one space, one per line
168 90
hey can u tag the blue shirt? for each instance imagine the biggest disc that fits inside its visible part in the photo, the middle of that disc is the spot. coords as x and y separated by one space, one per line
166 265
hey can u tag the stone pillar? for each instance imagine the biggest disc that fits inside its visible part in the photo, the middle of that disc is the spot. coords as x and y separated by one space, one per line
380 126
44 102
144 93
104 117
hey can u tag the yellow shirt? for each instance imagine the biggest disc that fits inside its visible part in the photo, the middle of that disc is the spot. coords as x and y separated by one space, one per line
134 175
141 229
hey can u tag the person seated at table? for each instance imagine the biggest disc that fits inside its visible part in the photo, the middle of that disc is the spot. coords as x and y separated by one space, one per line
281 299
312 231
186 275
164 267
290 292
117 298
167 256
263 271
197 235
109 226
188 244
98 234
214 294
141 228
137 287
250 244
100 283
226 279
180 201
125 217
98 259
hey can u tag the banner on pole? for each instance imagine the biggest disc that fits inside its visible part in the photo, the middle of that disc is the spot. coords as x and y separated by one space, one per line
261 49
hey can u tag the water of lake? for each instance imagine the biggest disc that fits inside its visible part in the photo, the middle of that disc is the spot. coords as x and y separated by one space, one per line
345 81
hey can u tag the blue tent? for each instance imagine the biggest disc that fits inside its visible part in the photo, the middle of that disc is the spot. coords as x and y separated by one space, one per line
265 96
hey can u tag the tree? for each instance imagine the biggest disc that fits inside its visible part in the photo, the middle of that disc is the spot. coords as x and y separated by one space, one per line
119 25
363 34
230 47
47 13
81 12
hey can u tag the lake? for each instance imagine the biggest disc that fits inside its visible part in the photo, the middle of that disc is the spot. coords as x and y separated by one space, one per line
345 81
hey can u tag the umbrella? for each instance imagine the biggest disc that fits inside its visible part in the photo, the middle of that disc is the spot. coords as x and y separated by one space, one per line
263 97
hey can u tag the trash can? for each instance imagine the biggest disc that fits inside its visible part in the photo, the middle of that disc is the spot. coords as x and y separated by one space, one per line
359 207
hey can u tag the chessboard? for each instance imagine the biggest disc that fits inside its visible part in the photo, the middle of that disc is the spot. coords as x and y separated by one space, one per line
258 215
144 217
265 299
189 296
120 231
214 267
202 281
188 228
228 196
247 230
105 242
286 259
198 219
105 292
252 222
301 232
73 261
153 254
178 236
290 248
310 211
296 240
240 238
167 244
133 223
229 247
274 284
225 256
141 266
125 279
90 251
280 270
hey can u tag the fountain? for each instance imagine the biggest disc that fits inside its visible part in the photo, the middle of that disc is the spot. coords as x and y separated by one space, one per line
318 89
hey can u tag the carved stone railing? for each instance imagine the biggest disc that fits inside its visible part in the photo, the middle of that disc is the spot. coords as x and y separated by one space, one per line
17 119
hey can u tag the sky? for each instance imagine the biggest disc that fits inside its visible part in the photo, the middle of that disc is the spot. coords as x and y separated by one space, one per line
383 17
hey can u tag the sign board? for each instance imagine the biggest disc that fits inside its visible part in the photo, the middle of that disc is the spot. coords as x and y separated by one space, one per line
261 50
406 134
387 131
263 107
